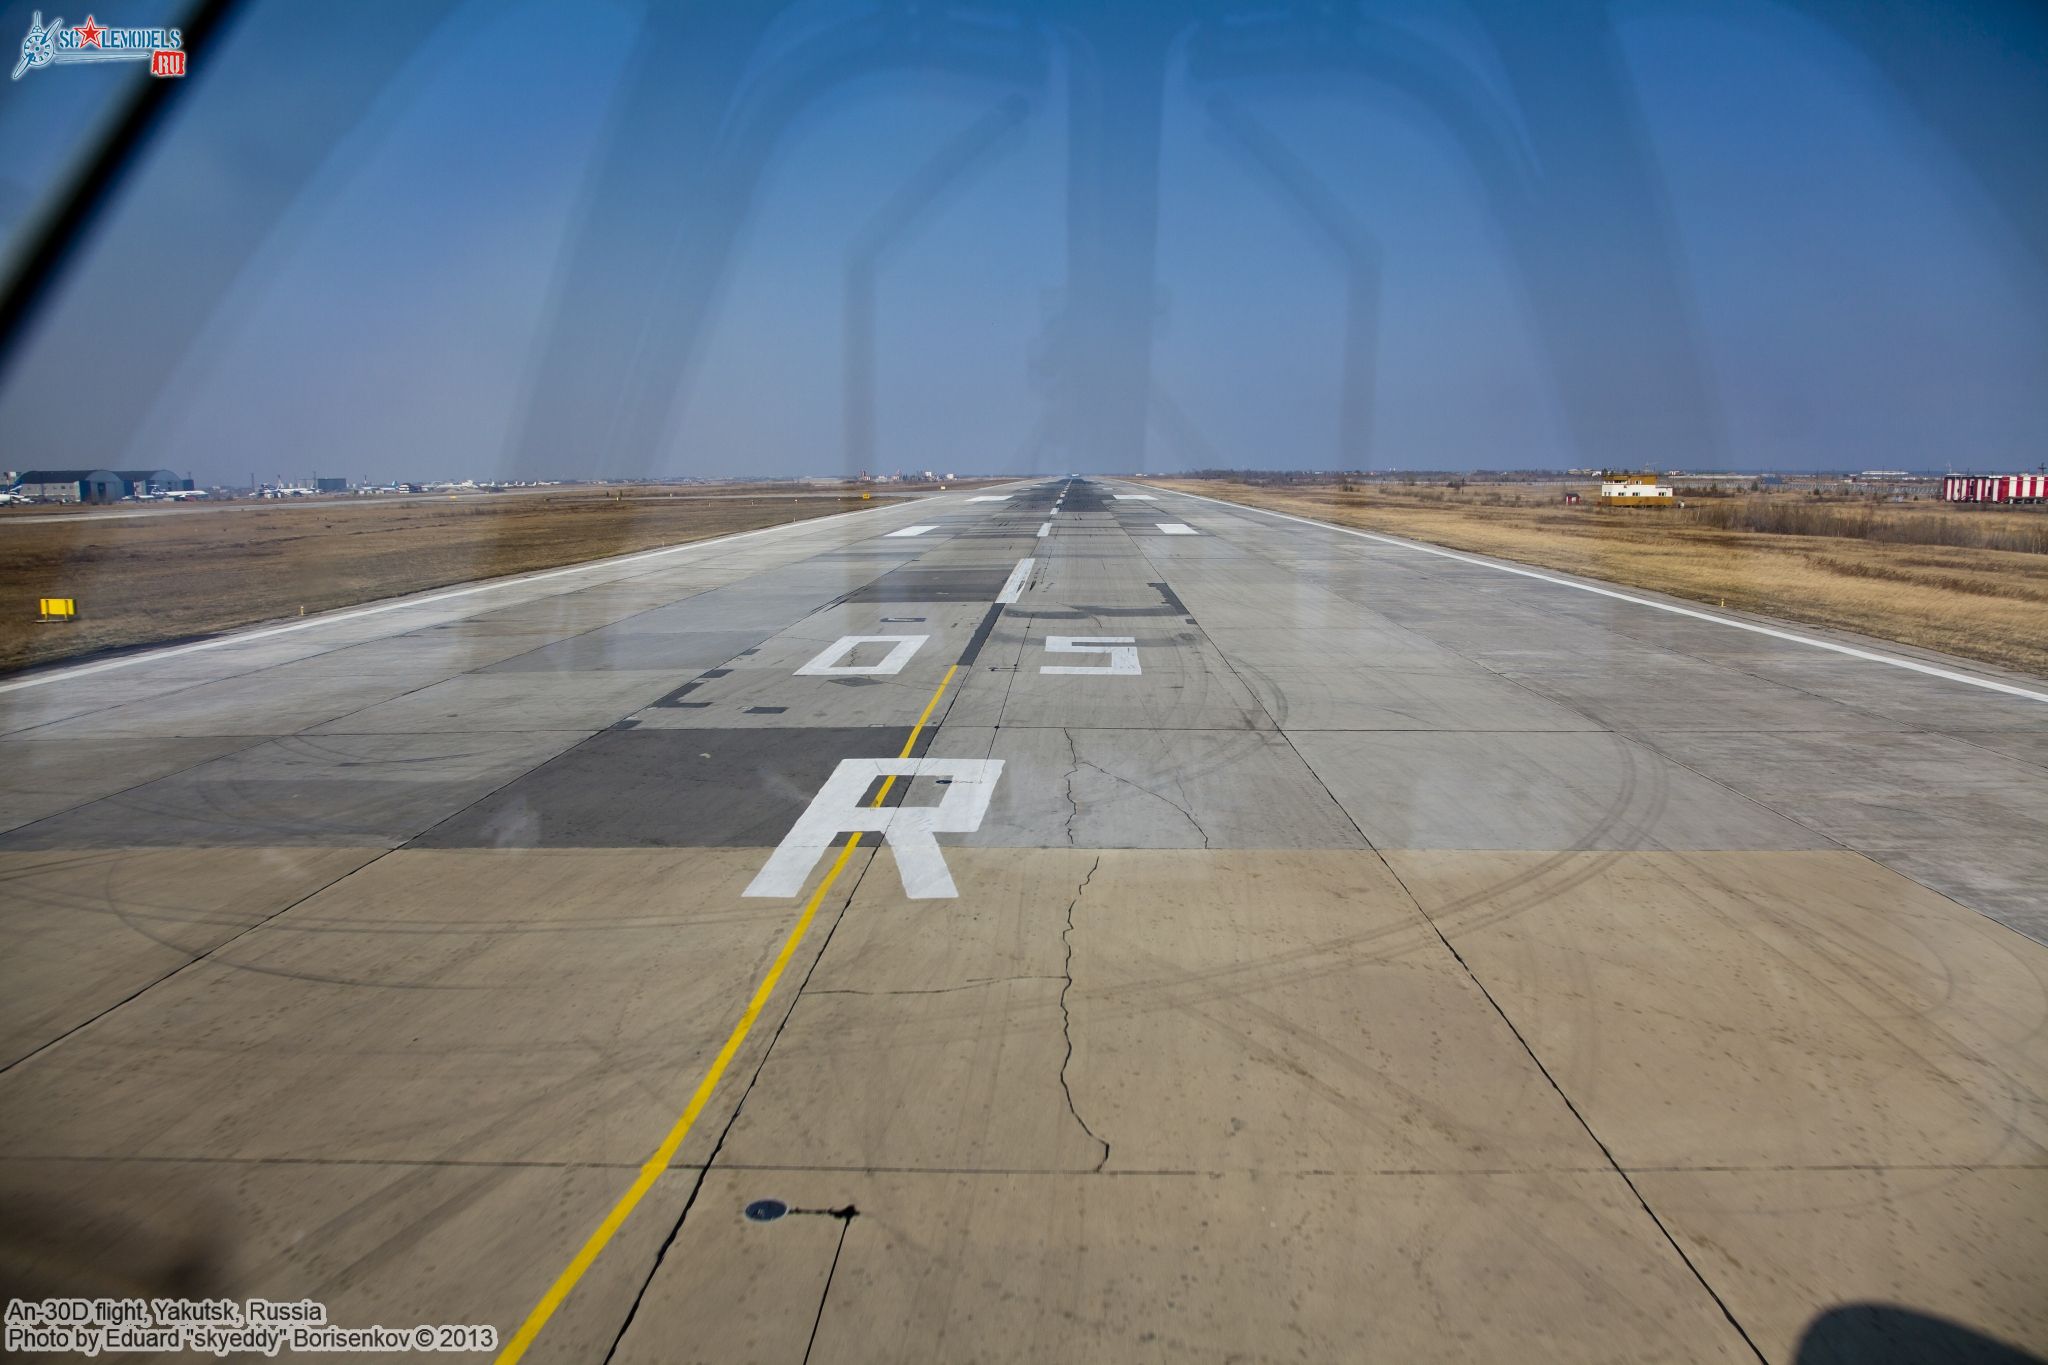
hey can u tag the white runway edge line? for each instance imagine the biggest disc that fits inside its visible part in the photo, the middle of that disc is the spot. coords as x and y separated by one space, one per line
400 604
1989 684
1014 588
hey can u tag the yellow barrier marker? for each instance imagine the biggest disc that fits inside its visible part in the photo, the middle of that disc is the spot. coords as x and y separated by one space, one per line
651 1170
57 608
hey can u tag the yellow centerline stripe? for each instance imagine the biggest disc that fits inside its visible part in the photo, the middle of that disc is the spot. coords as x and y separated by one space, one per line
652 1169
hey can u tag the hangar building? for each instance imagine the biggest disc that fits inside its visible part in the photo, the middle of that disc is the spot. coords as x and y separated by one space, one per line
72 485
97 485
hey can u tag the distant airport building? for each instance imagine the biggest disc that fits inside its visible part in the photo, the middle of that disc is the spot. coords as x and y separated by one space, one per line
1995 488
331 485
154 481
72 485
1635 490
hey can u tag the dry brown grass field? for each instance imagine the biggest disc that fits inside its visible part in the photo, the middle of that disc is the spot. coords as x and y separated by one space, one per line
207 567
1970 581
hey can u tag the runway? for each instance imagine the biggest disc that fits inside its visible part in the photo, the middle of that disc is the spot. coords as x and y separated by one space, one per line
1260 942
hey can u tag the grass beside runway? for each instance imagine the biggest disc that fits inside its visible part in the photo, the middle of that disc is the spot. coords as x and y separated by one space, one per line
1974 602
151 580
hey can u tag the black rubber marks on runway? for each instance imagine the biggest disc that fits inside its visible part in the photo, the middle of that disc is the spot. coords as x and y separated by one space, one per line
932 585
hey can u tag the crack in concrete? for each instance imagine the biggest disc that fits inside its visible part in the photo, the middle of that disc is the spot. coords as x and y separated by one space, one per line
974 985
1073 806
1066 1016
1158 796
1182 788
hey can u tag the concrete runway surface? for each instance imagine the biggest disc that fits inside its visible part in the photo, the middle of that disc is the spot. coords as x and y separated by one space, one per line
1261 943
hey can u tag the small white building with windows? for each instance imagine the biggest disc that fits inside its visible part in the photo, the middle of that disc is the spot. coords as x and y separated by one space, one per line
1636 490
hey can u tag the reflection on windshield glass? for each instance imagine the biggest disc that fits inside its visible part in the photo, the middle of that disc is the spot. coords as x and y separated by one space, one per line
908 680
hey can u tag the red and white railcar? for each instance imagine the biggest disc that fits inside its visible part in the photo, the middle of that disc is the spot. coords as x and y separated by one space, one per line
1995 488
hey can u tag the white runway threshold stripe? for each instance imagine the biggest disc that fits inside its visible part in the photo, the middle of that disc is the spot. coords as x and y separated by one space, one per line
430 599
909 531
1014 588
1177 528
1951 675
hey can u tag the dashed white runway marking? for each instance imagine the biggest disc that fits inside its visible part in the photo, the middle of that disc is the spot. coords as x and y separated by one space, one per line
1014 588
909 531
990 497
1176 528
1044 529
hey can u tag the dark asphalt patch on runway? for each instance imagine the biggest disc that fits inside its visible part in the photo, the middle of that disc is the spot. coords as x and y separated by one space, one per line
707 788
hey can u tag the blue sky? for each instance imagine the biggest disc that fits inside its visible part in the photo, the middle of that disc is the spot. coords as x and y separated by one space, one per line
349 248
